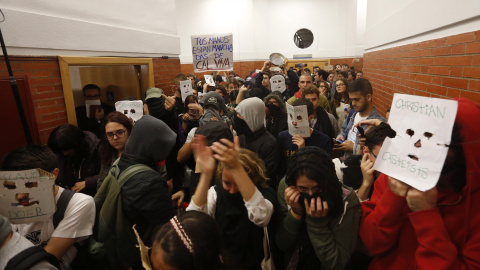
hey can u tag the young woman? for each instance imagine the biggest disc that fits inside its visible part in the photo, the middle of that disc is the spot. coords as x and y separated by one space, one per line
318 217
116 128
189 119
242 203
190 240
339 100
324 89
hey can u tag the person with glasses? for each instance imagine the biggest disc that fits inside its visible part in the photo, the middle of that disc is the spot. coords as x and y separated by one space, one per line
92 123
116 127
339 100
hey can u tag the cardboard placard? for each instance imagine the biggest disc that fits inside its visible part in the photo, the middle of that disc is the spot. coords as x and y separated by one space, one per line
186 89
27 196
212 52
131 108
92 106
424 129
298 120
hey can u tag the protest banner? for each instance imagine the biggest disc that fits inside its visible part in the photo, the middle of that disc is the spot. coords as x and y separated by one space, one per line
212 52
424 129
298 120
131 108
27 196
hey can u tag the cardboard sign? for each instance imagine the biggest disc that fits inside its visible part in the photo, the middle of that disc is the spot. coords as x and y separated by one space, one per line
277 83
424 129
209 80
132 109
298 120
186 89
92 106
212 52
27 196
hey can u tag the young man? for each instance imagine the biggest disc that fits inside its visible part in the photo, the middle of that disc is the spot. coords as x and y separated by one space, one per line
79 216
304 81
262 79
360 93
92 124
288 144
405 228
322 120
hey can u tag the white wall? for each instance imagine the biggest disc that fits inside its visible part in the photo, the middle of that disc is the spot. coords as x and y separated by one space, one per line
398 22
261 27
90 27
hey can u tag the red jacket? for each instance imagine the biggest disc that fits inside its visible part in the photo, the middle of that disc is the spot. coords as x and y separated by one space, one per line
445 237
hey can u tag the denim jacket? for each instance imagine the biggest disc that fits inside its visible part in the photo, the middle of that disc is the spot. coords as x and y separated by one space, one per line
349 124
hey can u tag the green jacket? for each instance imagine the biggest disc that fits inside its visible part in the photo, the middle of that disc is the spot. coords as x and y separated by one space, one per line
333 240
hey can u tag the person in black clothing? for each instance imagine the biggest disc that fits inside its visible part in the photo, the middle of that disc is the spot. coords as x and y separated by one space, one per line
78 159
92 124
276 115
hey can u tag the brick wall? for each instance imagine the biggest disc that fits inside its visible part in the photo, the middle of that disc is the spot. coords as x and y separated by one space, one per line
47 92
447 67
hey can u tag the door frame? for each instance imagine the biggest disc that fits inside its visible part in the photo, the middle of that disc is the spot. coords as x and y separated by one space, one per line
66 62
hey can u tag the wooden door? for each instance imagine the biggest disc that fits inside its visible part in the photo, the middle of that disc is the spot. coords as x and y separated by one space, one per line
122 81
12 134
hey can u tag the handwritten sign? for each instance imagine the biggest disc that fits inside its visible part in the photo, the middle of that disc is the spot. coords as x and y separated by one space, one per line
131 108
27 196
298 120
212 52
424 129
186 89
209 80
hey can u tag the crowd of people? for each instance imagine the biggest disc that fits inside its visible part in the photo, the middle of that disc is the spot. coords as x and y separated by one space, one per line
207 179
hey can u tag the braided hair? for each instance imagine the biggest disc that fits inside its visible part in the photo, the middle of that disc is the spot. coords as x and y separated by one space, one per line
317 165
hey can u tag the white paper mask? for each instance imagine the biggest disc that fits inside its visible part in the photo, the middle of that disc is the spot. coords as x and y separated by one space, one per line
277 83
186 89
298 121
209 80
131 108
424 128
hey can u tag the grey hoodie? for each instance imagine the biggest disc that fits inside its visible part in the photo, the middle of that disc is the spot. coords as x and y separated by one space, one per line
252 111
151 138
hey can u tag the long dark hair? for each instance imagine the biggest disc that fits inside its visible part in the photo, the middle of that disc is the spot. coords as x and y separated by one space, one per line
206 241
66 137
337 97
106 151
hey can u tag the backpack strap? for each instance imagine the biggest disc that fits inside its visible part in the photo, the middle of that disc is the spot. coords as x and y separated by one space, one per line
62 204
29 257
131 171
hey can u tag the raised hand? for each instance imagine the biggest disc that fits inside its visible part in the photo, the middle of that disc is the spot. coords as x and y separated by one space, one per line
169 102
203 155
227 152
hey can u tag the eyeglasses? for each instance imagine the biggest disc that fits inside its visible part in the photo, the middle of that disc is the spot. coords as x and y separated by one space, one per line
322 86
119 133
338 85
371 152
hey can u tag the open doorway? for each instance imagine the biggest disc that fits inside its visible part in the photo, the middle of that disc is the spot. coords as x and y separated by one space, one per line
118 78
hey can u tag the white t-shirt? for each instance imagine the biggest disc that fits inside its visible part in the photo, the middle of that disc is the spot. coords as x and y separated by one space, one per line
78 223
352 134
259 209
15 245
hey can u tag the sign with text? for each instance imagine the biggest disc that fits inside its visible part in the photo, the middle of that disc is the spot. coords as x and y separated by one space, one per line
424 129
27 196
298 120
212 52
131 108
186 89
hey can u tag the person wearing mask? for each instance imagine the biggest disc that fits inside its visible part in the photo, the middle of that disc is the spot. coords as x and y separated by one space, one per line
249 124
277 114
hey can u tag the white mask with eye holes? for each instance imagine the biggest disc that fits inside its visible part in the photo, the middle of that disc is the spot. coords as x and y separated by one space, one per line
424 129
277 83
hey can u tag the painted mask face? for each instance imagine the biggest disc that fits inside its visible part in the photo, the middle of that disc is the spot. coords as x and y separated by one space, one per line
277 83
